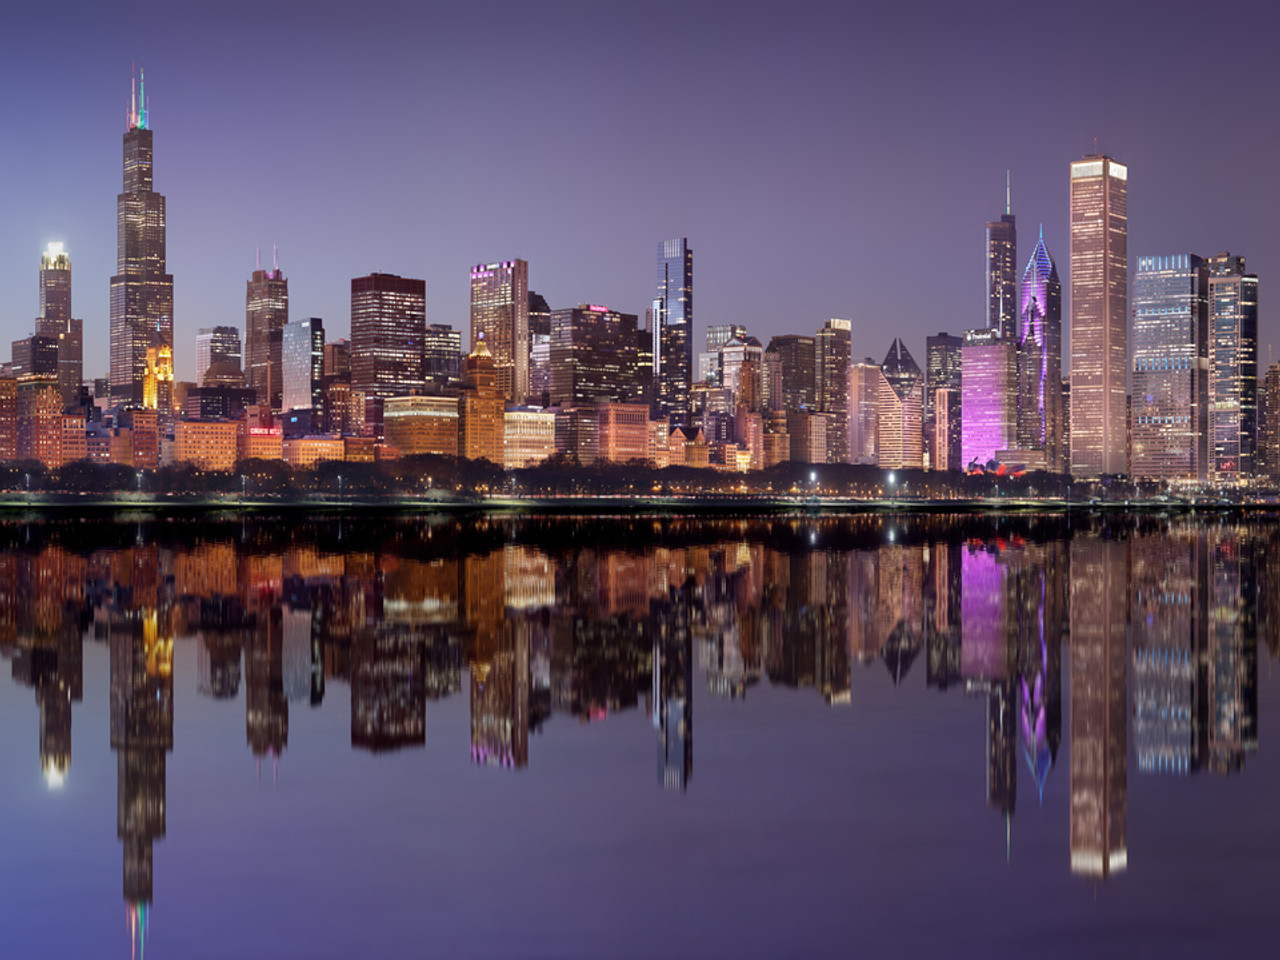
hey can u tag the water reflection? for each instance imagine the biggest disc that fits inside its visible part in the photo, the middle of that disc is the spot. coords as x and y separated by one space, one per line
1159 620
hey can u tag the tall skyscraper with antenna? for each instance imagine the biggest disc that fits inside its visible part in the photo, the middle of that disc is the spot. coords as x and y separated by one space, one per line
266 311
141 290
1002 270
55 321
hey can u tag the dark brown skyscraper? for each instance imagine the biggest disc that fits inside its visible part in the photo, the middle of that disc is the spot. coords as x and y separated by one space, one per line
388 334
266 311
141 290
1002 272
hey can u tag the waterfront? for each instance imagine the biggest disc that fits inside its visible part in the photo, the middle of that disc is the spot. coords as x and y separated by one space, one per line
567 736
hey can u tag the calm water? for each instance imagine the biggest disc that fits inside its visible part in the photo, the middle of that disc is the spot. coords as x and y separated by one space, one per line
582 738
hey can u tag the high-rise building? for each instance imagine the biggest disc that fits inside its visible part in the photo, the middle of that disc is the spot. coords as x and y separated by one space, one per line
832 353
216 345
141 290
1271 422
55 321
388 331
337 359
35 356
481 423
1170 368
443 353
899 433
1002 271
945 445
989 395
738 352
593 356
864 405
1099 316
1040 359
673 330
942 367
302 365
1233 366
798 359
266 311
500 317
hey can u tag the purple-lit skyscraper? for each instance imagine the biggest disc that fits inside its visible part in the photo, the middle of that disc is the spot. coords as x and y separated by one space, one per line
1040 359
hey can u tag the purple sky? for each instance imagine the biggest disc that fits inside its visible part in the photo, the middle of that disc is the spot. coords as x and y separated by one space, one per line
824 160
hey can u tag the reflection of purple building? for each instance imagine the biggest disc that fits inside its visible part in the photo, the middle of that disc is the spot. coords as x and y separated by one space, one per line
982 621
989 395
1040 359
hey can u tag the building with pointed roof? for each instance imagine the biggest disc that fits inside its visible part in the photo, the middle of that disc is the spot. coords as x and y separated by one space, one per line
900 410
1040 359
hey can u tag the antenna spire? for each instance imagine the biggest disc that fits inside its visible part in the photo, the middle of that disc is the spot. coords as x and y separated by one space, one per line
259 266
142 98
1008 194
275 257
133 95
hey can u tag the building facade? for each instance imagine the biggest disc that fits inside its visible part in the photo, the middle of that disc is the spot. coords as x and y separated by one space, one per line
1233 367
1170 368
899 411
388 331
500 316
673 330
266 312
593 356
216 345
833 354
141 290
1040 359
302 365
56 322
989 395
1002 272
1099 216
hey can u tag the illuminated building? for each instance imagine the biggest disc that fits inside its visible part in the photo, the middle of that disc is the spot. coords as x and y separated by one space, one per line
307 451
388 690
832 352
1233 367
941 368
1099 667
55 321
260 443
74 440
481 408
1271 421
1002 748
1002 272
989 395
218 402
864 407
1170 369
500 317
144 429
1231 658
217 345
39 421
899 395
734 354
388 329
8 419
35 356
612 432
302 366
442 354
157 385
337 359
1099 316
593 356
141 290
798 358
206 444
1039 341
809 434
529 437
673 330
417 425
266 312
947 418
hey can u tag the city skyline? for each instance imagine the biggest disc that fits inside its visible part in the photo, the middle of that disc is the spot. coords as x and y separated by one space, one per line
749 144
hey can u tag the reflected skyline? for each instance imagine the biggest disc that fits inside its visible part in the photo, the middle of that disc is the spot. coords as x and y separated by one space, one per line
539 620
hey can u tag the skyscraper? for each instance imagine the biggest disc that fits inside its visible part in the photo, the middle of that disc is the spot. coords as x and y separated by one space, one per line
1170 368
1233 366
388 331
141 290
266 311
1002 271
1271 447
900 440
55 321
593 356
796 354
1099 315
500 317
833 351
1040 359
302 366
216 345
864 404
942 367
989 395
443 353
673 330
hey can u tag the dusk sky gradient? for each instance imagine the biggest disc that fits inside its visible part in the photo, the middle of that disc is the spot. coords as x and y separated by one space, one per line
824 160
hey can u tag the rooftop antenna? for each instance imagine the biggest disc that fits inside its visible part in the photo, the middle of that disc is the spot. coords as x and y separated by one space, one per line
133 95
275 257
259 258
1008 194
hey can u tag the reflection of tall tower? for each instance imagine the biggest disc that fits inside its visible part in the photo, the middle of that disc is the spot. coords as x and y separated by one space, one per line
141 735
266 711
1099 790
673 692
499 666
388 690
1231 661
1002 748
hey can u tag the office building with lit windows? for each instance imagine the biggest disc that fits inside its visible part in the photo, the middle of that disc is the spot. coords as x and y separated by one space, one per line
266 311
593 356
216 345
833 353
899 405
1002 272
989 395
1040 360
673 330
941 368
1170 372
141 290
1099 215
1233 367
388 330
57 323
302 365
500 317
798 361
